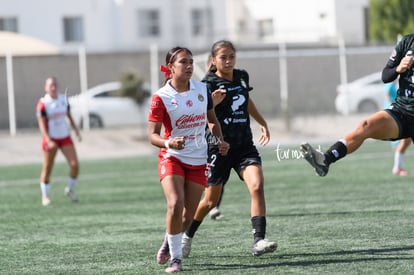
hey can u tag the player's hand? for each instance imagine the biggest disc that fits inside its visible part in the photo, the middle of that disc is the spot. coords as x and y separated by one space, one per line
218 96
50 144
78 135
223 148
405 64
265 135
177 143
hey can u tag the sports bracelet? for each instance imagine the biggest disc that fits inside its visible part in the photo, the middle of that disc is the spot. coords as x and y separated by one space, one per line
167 143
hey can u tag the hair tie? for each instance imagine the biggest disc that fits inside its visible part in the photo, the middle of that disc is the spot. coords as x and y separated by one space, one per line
166 71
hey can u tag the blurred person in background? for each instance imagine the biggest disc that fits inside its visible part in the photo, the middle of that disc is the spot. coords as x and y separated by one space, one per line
184 108
55 121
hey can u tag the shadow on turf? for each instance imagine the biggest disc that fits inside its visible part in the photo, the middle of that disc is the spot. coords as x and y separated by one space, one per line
363 258
329 213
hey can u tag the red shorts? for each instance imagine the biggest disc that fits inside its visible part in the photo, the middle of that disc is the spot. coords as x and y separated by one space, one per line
61 142
173 166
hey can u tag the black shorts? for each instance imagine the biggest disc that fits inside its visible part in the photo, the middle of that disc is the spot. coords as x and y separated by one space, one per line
405 123
237 158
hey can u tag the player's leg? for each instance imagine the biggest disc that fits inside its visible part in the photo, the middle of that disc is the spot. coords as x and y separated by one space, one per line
70 154
196 180
194 188
48 161
253 177
381 125
215 213
211 196
219 172
399 157
173 187
209 201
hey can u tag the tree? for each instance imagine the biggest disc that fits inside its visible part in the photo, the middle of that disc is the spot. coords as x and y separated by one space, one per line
133 87
389 18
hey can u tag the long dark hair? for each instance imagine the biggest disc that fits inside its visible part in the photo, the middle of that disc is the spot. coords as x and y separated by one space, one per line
217 46
172 56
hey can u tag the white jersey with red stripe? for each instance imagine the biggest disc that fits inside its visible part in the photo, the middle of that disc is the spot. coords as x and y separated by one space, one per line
183 114
55 110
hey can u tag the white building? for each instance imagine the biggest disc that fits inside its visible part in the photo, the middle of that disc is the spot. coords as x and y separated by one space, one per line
125 25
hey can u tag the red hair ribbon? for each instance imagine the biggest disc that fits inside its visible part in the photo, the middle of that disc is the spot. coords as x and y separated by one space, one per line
166 71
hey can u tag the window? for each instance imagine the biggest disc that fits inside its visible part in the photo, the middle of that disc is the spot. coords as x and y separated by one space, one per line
266 28
197 19
106 94
73 29
148 23
8 24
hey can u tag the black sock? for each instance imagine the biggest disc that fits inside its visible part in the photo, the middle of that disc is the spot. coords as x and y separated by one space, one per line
193 228
259 228
336 152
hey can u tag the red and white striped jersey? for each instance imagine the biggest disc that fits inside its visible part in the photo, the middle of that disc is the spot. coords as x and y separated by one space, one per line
183 114
55 110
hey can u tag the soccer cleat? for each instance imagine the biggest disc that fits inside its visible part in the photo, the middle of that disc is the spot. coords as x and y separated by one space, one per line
71 194
186 245
263 246
315 158
400 172
175 266
164 252
215 214
45 201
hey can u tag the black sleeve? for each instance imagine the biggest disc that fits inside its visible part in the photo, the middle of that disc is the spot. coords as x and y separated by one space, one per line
389 72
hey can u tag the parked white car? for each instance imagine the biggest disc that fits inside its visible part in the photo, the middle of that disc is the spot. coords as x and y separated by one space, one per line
105 107
364 95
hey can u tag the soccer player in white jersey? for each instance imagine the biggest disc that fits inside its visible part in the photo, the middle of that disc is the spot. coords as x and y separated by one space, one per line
55 120
184 108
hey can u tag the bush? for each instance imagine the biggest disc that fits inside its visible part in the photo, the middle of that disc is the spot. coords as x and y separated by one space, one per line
133 87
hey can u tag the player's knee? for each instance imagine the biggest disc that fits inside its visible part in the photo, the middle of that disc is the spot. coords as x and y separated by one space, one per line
363 126
74 165
211 204
175 208
257 188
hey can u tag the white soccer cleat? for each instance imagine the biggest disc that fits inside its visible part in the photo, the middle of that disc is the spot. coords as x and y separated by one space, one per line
315 158
263 246
215 214
45 201
186 245
71 194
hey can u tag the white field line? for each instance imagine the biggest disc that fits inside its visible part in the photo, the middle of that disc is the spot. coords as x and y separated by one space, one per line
82 177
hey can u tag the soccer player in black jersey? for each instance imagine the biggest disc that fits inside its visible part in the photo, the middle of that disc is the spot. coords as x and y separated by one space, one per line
393 123
233 106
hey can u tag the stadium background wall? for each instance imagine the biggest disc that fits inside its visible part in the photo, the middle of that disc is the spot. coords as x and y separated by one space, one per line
312 78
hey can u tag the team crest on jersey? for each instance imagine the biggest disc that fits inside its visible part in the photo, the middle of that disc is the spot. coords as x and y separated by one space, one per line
174 102
243 83
189 103
200 97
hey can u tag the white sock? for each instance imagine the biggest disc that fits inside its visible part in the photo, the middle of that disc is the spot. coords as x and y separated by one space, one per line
398 159
45 188
174 241
71 183
343 141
